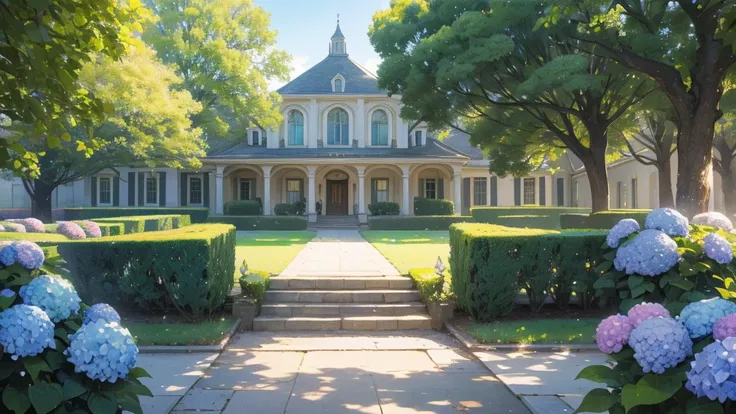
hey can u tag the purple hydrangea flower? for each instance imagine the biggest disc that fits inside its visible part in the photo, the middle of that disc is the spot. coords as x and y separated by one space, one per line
8 253
713 219
91 229
651 253
71 230
713 373
613 333
14 228
660 343
621 230
25 331
56 297
718 248
2 228
699 317
725 327
31 225
101 311
643 311
29 255
104 351
669 221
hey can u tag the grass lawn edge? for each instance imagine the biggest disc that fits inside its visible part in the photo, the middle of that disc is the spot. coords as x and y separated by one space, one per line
217 343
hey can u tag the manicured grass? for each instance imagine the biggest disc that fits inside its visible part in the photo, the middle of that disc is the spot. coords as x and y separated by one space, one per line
203 333
409 249
539 331
269 251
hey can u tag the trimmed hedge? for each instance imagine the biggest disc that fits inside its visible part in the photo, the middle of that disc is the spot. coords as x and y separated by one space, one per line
415 222
384 208
533 217
263 222
196 214
139 224
255 284
491 263
603 219
244 208
189 269
427 283
109 229
431 207
42 239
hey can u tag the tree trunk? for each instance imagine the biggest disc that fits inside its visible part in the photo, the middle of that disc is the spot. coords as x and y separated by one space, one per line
41 201
694 163
664 170
595 168
729 192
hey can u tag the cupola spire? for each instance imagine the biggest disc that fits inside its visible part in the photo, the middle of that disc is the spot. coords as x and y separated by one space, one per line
337 41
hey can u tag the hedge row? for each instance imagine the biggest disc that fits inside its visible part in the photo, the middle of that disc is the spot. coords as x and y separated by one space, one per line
491 263
196 214
140 224
263 222
601 219
415 222
244 208
536 217
384 208
432 207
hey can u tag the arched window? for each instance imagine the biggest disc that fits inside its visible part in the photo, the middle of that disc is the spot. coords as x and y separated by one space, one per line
296 128
379 128
337 127
338 85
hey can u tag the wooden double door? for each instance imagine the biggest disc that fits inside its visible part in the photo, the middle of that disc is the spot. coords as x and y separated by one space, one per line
337 198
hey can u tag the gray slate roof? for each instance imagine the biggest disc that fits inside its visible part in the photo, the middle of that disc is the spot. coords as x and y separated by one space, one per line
318 79
460 141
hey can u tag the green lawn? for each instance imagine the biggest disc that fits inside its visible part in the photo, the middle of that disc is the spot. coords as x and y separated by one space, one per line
203 333
539 331
269 251
411 248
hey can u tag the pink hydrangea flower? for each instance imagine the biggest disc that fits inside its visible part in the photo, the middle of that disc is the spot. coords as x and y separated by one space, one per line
31 225
644 311
725 327
91 229
613 333
71 230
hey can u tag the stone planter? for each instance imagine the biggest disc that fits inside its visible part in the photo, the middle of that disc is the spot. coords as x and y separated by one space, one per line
440 312
246 310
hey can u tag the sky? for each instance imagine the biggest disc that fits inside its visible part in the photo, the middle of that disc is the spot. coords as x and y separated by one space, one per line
305 27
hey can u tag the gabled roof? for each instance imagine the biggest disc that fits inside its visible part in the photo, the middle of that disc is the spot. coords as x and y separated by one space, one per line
460 141
318 79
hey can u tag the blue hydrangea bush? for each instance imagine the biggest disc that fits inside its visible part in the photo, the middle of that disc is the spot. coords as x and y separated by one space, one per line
56 354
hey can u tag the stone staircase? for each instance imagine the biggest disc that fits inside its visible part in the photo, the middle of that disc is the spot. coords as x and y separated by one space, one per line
336 222
314 303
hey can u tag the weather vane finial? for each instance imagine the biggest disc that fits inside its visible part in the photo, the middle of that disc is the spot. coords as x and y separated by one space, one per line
338 18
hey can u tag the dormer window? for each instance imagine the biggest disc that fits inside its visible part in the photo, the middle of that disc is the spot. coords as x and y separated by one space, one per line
338 84
255 138
418 138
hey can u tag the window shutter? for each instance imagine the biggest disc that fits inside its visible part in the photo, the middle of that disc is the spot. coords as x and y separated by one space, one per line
420 189
440 188
466 196
301 189
206 189
183 186
494 191
542 191
560 191
162 189
374 196
141 188
116 191
517 191
93 200
131 189
236 190
253 189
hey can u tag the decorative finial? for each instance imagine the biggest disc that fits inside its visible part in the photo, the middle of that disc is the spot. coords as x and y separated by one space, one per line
338 18
244 268
439 267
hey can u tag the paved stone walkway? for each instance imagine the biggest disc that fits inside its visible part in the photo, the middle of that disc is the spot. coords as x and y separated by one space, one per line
339 253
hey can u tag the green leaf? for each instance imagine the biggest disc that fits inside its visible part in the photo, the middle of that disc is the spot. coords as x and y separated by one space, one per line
703 407
138 372
15 400
603 283
55 359
601 374
598 400
102 404
35 365
604 266
53 141
650 390
669 277
648 286
130 403
635 281
45 397
637 291
6 302
686 269
72 389
610 255
683 284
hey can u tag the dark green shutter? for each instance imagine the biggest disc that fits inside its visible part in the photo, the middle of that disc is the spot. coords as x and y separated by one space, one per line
206 188
301 189
253 188
494 191
94 191
131 189
236 192
141 187
466 197
542 191
517 191
116 191
183 184
560 191
162 189
420 189
440 188
373 191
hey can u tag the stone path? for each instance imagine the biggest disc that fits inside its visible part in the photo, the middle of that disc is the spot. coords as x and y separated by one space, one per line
339 253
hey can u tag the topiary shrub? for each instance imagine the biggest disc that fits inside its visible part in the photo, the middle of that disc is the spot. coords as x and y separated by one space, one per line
254 283
430 286
285 209
416 222
432 207
243 208
91 229
196 214
603 219
248 223
13 227
384 208
533 217
31 224
140 224
71 230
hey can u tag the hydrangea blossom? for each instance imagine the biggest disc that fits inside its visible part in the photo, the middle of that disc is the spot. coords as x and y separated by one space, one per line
101 311
31 224
713 373
56 297
14 228
669 221
643 311
725 327
660 343
713 219
613 333
718 248
651 253
699 317
7 253
103 350
2 228
29 255
7 293
91 229
25 331
71 230
621 230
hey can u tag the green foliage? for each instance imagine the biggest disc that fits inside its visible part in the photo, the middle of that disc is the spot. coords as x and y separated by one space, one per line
255 284
110 229
42 239
573 221
139 224
416 222
244 208
491 263
602 219
290 209
433 207
189 269
432 287
196 214
384 208
263 222
532 217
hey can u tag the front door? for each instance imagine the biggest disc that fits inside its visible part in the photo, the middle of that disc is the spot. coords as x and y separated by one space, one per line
337 197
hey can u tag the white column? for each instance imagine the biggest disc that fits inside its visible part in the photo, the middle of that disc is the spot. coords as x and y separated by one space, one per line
266 189
458 180
405 190
219 196
362 217
488 190
311 194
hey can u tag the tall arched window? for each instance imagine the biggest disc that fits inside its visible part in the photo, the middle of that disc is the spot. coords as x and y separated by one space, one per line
338 85
337 127
379 128
296 128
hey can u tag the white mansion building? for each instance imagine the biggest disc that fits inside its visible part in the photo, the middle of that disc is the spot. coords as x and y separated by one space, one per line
342 142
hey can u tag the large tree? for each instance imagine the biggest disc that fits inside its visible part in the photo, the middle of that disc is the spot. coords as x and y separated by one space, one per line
687 46
150 127
524 95
224 50
43 45
725 161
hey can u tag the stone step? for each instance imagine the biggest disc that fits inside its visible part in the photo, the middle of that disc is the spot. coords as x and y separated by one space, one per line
354 323
342 296
343 309
340 283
